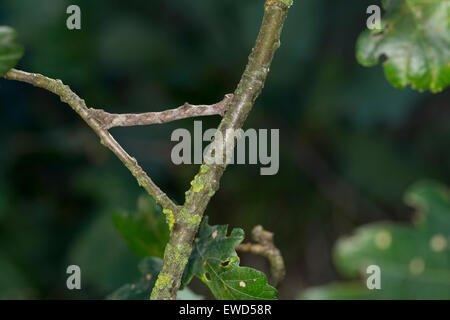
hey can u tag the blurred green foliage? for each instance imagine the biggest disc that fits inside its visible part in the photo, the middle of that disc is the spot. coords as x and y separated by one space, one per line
10 51
414 261
350 142
149 268
145 231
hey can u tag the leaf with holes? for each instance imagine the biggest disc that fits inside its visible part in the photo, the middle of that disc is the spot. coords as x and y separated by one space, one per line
145 231
414 261
415 39
10 50
214 260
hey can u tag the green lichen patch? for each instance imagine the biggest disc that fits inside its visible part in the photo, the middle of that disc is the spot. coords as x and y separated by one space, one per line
195 220
199 182
163 281
288 2
170 218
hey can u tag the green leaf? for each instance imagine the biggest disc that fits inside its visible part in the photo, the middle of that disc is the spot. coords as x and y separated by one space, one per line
10 51
145 231
149 268
214 260
414 261
415 39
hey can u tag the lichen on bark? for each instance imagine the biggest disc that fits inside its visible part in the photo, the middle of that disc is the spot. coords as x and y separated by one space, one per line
206 182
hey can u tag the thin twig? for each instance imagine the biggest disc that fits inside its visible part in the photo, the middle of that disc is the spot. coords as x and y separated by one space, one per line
265 247
79 106
110 120
186 219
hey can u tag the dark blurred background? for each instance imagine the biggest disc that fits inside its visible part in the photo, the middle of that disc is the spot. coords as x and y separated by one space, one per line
350 144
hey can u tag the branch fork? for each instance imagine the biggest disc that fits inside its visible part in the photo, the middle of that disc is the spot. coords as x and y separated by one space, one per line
234 109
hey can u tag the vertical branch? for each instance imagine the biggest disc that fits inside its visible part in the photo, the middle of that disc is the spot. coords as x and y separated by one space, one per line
206 182
183 221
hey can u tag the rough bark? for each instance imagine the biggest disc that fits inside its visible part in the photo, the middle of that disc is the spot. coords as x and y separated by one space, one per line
206 182
183 220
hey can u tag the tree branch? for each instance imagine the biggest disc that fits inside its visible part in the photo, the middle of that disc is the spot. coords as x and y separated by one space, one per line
265 247
187 110
206 182
79 106
183 221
